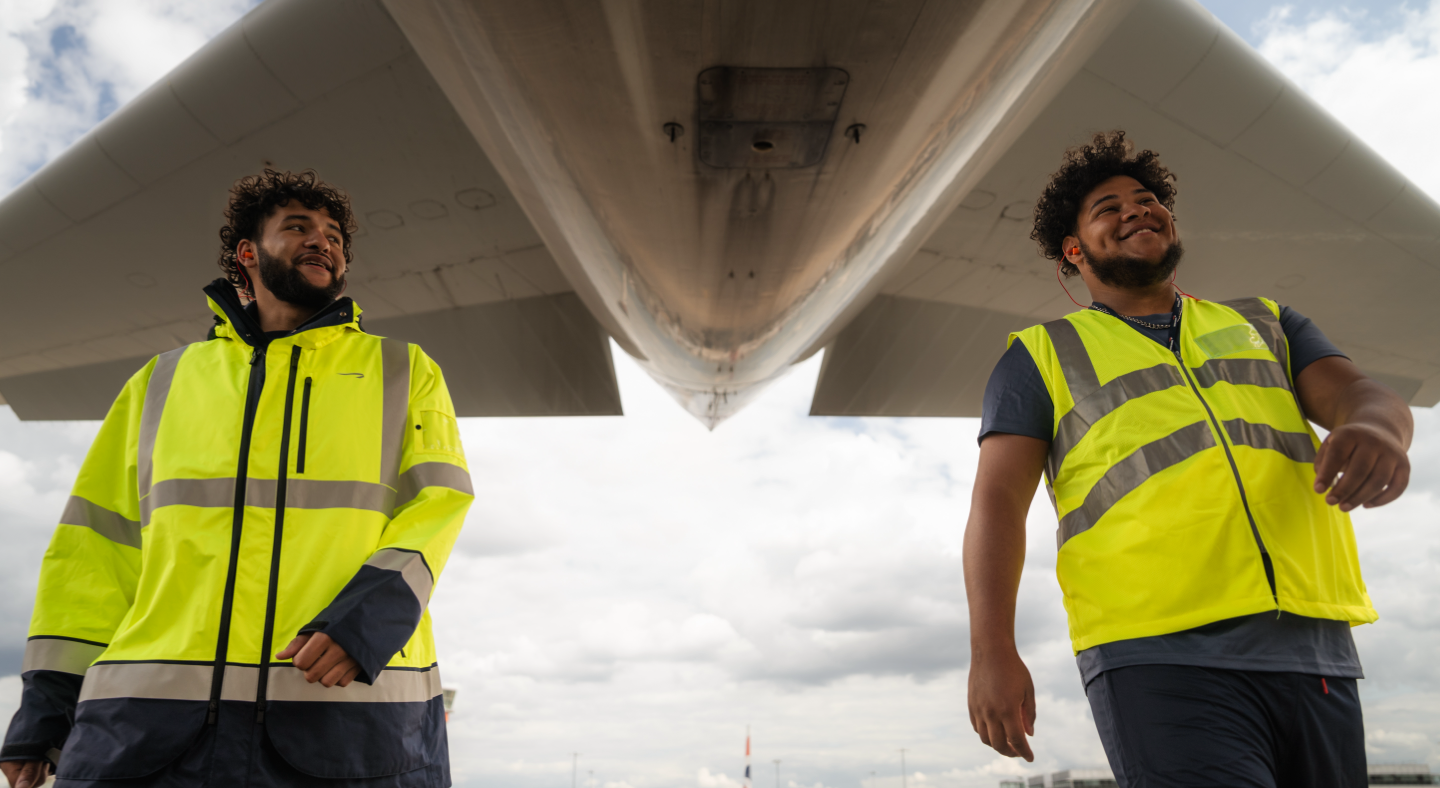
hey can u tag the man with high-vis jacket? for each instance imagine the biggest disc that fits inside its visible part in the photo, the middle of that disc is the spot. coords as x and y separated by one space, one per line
1206 556
236 592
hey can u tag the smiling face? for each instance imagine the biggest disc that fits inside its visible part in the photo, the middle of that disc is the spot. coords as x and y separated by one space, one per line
300 258
1123 236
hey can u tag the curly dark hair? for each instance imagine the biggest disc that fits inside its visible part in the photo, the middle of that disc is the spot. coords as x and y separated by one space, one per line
1057 212
254 197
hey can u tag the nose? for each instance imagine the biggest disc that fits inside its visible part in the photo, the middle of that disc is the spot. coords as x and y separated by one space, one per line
318 241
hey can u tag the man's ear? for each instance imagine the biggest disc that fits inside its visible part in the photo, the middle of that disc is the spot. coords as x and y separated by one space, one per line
247 255
1070 250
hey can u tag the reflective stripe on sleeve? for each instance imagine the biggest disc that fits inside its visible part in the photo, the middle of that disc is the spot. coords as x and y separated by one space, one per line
395 357
1295 445
62 655
411 566
169 681
111 525
1078 420
1128 474
432 474
156 392
1075 361
299 494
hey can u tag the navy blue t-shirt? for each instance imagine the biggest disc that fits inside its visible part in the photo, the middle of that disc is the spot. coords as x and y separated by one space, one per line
1017 402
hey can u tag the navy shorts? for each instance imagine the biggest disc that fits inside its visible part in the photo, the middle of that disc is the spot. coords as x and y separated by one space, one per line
1177 726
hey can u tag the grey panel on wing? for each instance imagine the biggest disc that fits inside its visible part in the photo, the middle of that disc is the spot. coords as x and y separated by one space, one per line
540 356
908 357
83 392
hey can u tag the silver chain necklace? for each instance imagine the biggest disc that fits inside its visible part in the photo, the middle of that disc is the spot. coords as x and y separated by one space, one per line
1174 315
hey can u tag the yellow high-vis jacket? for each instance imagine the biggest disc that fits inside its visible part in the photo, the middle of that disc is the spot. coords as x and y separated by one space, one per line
241 491
1183 478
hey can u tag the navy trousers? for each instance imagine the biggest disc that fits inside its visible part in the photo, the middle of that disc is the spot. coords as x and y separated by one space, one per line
1177 726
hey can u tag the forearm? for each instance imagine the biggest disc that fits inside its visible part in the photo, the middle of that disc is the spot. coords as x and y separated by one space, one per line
1369 402
994 558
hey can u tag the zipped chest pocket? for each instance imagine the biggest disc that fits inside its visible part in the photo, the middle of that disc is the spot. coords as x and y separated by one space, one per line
304 426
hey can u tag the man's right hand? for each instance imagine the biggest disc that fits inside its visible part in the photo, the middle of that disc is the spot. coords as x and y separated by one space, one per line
25 774
1002 704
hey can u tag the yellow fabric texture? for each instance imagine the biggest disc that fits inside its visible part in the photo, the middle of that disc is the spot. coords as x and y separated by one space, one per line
162 602
1178 550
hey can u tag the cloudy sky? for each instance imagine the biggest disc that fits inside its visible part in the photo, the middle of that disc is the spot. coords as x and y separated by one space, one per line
637 590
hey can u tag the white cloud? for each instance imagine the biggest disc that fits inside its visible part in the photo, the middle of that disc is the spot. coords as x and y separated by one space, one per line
1380 85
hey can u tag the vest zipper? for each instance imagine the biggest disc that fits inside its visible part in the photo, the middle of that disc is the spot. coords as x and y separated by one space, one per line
255 385
280 483
1235 470
304 427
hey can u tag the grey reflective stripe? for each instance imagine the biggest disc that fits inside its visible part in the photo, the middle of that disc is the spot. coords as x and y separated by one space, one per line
1125 476
299 494
411 566
1265 322
432 474
156 392
391 686
1074 360
61 655
1295 445
1241 372
1077 421
165 681
162 681
111 525
395 355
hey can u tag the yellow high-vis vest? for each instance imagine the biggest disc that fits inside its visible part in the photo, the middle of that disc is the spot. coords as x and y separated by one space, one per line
241 491
1174 472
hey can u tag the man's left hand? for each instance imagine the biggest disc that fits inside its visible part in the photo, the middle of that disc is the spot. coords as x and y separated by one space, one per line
1371 464
322 659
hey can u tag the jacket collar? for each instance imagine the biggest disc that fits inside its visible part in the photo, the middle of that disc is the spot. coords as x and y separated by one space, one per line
240 321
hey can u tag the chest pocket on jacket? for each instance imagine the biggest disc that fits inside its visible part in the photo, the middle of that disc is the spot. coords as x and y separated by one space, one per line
438 433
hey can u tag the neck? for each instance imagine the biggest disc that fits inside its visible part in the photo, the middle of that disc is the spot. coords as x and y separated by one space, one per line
1132 302
277 315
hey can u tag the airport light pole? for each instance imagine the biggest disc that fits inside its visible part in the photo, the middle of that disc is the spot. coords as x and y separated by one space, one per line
902 767
574 768
777 773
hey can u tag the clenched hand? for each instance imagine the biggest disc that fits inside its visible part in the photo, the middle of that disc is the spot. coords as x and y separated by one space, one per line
322 659
1002 703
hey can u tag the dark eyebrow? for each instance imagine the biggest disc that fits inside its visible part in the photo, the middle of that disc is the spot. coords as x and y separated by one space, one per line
1141 190
302 217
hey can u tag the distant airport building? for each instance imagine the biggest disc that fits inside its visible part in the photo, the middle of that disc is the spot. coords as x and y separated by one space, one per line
1380 774
1402 774
1069 778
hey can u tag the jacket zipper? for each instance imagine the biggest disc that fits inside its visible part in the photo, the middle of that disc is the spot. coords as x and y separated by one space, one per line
1234 470
280 483
255 385
304 427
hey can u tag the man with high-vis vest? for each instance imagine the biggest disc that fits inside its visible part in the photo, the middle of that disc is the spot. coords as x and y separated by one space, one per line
236 592
1206 556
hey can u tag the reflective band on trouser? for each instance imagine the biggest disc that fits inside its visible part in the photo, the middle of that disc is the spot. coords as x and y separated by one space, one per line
432 474
411 566
1078 420
1079 372
157 391
299 494
111 525
1241 372
395 357
1295 445
62 655
1128 474
167 681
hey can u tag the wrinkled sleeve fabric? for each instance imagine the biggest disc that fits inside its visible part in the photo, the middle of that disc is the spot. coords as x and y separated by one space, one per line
376 613
1016 400
87 584
1308 343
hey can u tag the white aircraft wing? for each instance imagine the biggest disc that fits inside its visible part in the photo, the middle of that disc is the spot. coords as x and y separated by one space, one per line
105 249
1276 198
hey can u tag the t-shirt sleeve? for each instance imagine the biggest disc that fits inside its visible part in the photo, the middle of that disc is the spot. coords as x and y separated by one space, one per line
1308 343
1016 400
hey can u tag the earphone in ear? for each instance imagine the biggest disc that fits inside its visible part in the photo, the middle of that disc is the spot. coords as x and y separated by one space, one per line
1073 250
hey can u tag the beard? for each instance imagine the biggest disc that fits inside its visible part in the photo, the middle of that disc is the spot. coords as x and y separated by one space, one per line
1125 272
286 282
